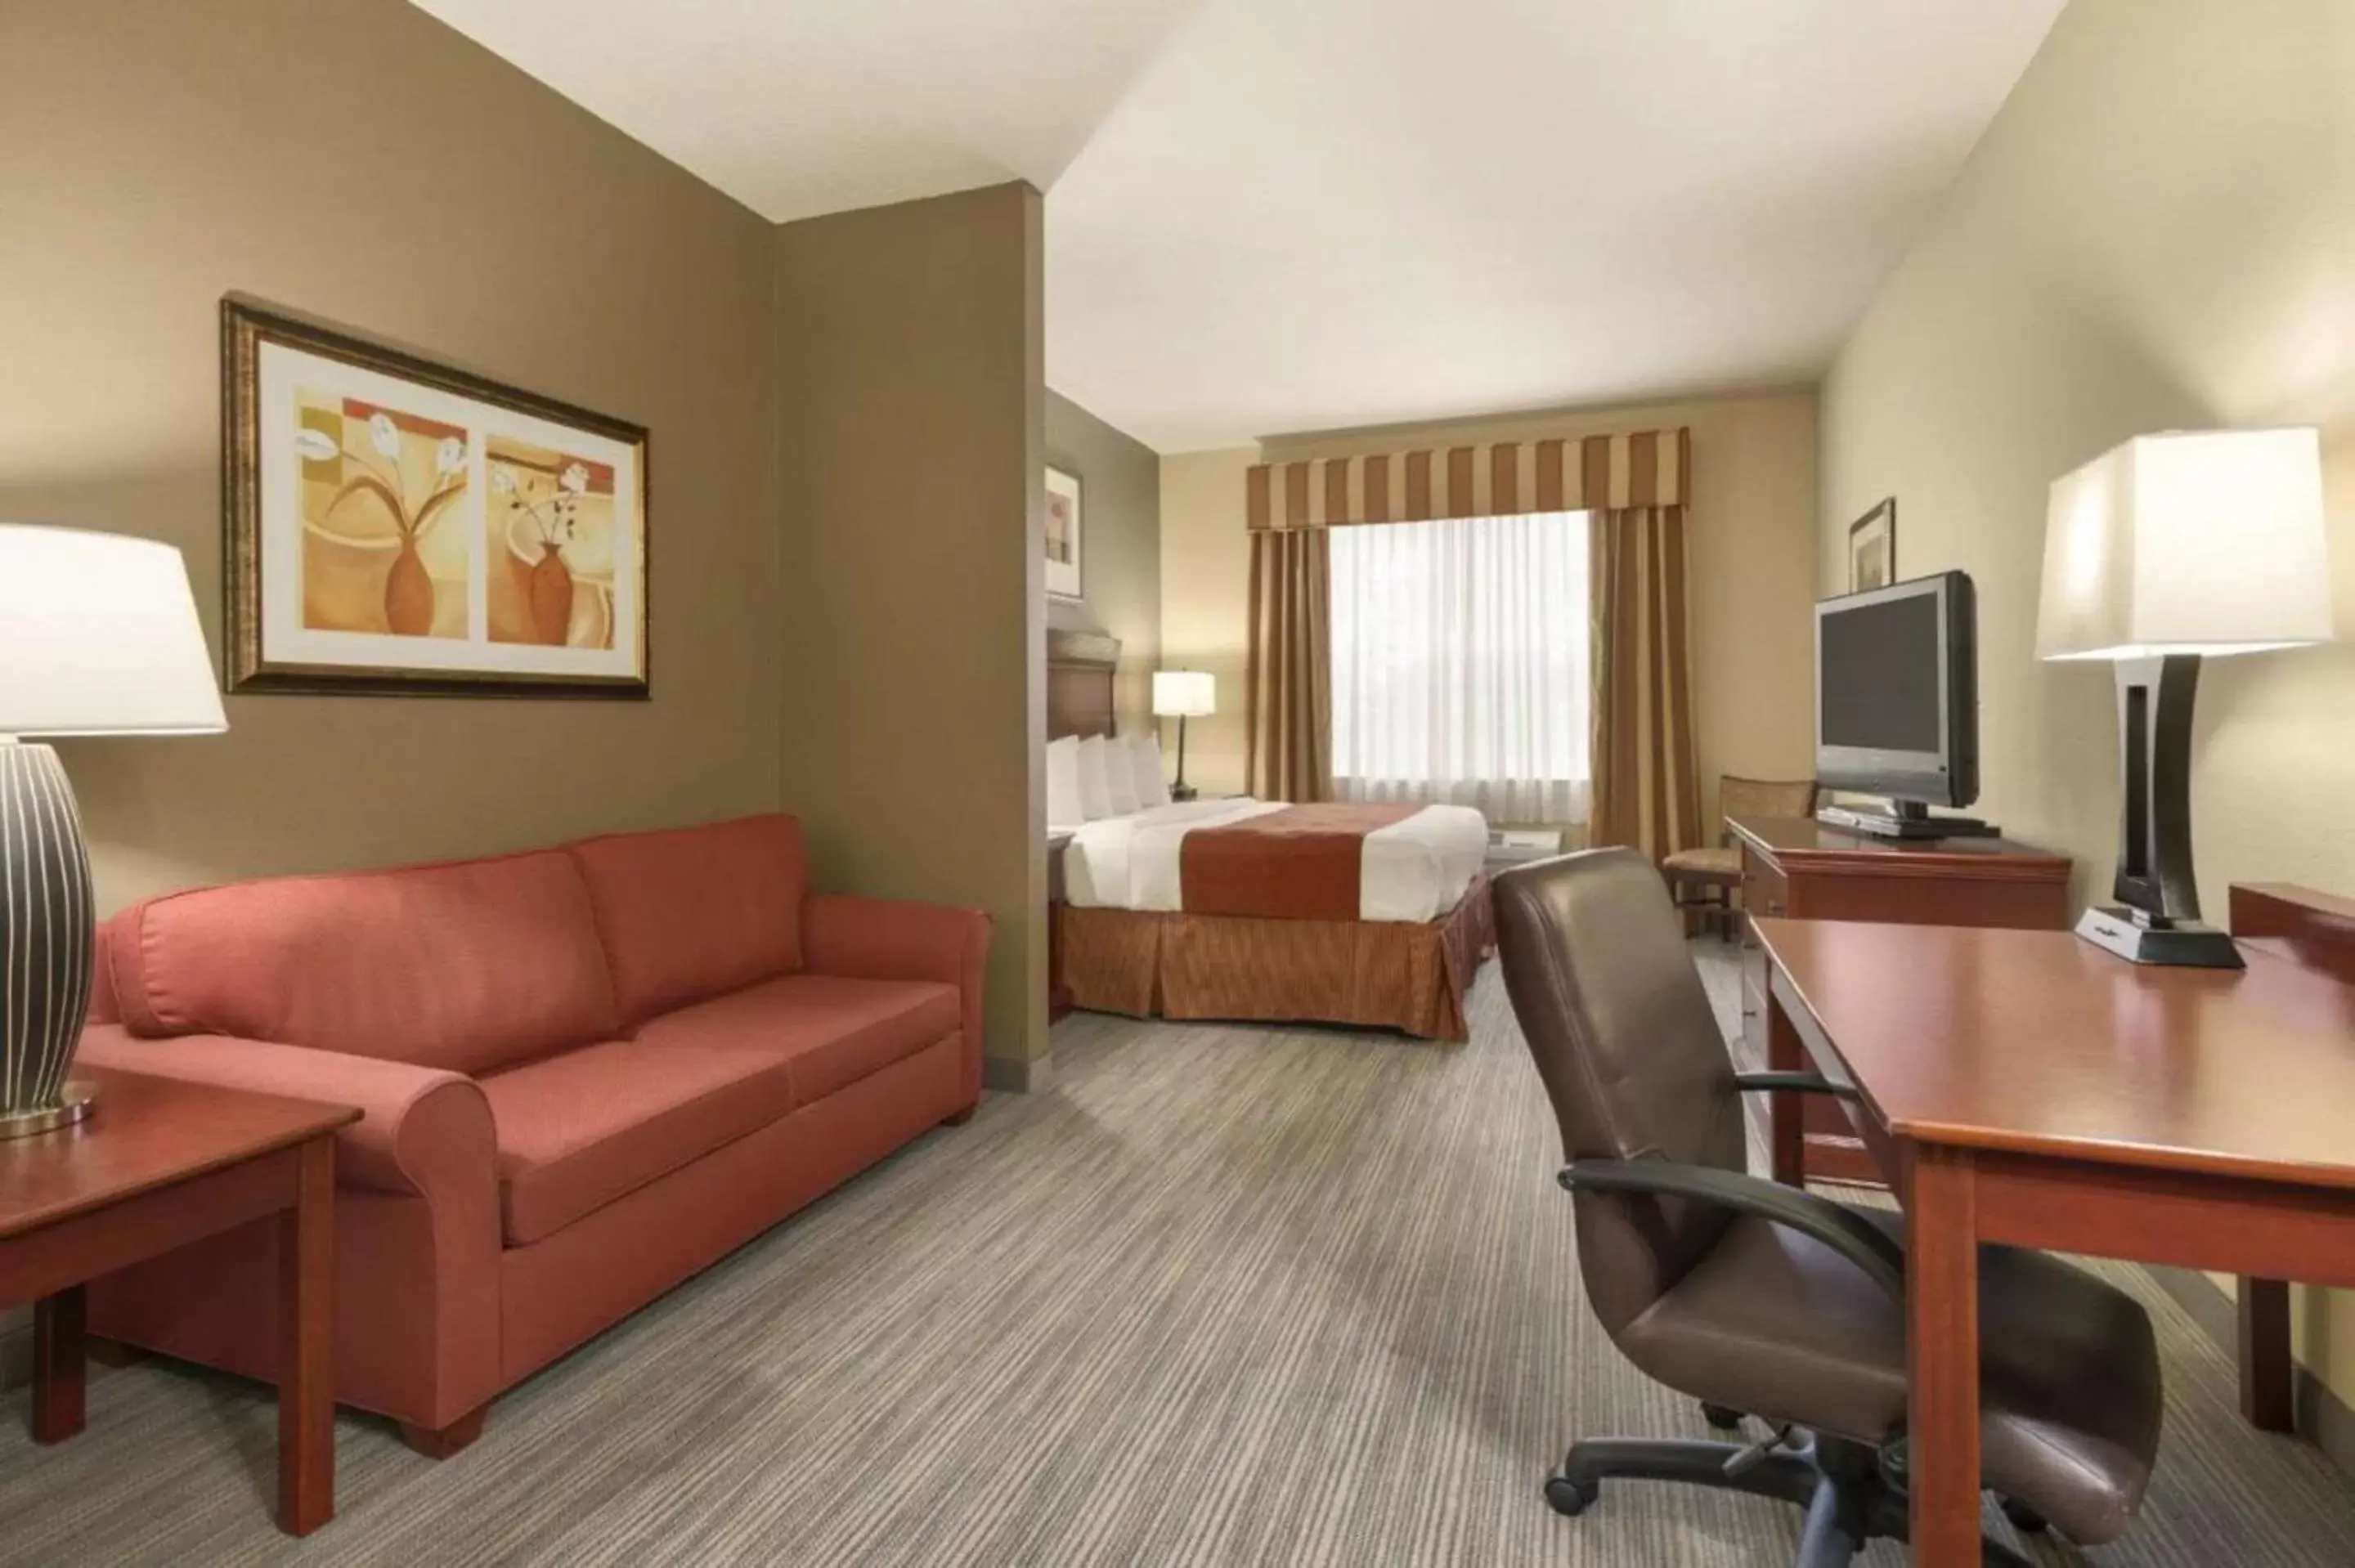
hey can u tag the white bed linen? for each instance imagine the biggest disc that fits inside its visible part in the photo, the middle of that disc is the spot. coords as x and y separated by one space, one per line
1413 870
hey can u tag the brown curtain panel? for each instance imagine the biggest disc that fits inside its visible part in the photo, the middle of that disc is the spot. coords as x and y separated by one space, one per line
1646 794
1288 680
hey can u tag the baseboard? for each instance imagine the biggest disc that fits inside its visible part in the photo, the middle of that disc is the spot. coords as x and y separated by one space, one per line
1016 1077
2321 1416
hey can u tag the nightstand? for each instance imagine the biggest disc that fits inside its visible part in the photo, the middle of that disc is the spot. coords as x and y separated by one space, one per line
159 1163
1058 995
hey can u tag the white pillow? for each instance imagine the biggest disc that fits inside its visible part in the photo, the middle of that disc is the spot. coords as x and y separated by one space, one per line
1095 784
1119 776
1144 755
1064 810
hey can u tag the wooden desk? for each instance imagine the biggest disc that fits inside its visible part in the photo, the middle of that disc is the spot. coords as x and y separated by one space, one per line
2025 1088
1798 867
160 1164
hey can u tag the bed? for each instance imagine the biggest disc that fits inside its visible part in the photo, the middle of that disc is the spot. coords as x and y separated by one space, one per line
1372 916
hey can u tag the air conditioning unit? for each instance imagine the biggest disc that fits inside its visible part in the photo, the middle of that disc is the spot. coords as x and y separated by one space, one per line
1518 846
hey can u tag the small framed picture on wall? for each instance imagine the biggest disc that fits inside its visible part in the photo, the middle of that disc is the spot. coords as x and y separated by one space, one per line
1063 535
1873 548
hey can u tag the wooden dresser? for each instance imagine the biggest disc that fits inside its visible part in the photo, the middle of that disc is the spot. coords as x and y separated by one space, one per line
1800 868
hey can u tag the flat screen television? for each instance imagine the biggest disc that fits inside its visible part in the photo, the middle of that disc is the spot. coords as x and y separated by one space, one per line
1897 695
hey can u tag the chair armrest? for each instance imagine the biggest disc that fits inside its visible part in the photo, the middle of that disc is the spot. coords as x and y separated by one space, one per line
1841 1229
883 938
421 1130
1803 1083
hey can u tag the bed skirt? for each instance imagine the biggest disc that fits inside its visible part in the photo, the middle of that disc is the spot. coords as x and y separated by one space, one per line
1368 974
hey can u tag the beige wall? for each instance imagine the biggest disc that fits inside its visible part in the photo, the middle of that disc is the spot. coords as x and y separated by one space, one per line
1205 578
911 447
158 156
2155 233
1753 586
1120 559
421 190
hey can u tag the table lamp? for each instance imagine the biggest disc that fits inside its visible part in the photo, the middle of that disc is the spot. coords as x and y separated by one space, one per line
98 636
2165 551
1182 695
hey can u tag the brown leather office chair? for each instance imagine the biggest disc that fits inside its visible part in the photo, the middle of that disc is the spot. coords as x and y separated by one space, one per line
1764 1299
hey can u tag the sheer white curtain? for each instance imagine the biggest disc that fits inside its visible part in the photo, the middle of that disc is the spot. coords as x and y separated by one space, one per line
1459 653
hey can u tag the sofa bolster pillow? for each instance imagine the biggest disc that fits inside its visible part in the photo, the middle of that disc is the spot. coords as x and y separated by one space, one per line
422 1131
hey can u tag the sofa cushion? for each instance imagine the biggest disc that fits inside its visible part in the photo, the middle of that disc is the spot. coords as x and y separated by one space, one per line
693 912
464 966
829 1030
579 1130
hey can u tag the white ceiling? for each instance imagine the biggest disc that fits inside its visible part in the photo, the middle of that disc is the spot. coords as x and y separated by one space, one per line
1269 217
799 107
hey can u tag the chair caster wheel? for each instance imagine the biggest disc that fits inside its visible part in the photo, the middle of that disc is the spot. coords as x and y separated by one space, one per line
2025 1520
1721 1417
1568 1498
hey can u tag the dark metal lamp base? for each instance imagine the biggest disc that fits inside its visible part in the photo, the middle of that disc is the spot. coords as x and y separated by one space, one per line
2185 944
73 1103
50 938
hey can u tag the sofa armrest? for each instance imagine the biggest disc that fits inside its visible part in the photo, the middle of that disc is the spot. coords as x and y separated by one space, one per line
421 1130
880 939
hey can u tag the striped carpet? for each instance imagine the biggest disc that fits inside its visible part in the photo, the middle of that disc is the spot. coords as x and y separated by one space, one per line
1224 1296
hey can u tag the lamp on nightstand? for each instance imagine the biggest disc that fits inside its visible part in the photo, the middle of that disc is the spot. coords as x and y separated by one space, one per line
1182 695
98 636
2157 553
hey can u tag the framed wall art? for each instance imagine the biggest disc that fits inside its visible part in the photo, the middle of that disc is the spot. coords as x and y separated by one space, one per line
396 525
1873 548
1063 535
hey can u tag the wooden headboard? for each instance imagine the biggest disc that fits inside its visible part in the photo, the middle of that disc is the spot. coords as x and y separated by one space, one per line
1079 669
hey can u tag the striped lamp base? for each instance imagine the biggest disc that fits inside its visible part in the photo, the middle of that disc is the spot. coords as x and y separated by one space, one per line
46 935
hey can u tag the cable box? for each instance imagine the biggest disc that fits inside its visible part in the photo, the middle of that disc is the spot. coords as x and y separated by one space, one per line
1888 825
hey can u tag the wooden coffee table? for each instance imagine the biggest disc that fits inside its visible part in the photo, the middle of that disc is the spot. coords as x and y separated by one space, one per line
161 1163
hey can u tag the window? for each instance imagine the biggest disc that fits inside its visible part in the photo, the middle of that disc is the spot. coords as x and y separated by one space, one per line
1460 656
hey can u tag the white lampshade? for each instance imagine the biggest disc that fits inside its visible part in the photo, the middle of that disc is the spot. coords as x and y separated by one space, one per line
2212 542
99 636
1187 694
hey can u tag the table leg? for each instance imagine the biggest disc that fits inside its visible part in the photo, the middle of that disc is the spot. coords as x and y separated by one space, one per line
2267 1384
1942 1357
306 1375
59 1365
1786 1133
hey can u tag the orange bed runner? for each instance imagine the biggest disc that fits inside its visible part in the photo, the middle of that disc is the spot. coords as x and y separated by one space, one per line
1300 864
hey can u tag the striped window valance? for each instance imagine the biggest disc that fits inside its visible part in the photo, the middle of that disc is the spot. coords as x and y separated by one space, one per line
1649 468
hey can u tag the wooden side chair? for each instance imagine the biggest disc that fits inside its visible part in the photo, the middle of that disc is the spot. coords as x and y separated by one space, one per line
1704 882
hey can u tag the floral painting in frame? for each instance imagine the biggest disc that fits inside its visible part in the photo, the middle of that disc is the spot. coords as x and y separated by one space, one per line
397 525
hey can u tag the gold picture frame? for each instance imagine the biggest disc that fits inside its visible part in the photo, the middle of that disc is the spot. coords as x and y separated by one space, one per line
396 526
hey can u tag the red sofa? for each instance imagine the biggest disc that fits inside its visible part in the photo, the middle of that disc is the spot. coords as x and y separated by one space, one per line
587 1073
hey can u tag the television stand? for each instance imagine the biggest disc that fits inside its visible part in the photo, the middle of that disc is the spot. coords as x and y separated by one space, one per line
1904 820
